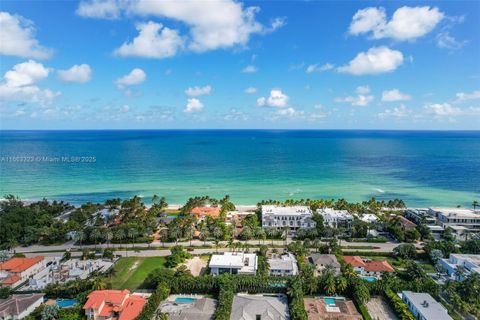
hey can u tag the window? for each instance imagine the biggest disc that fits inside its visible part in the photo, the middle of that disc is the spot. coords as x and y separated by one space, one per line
258 317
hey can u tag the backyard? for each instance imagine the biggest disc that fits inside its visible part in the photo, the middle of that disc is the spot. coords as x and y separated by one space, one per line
129 273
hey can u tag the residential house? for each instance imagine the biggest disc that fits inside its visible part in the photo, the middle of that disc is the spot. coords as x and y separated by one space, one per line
260 307
113 305
468 263
321 261
15 271
234 263
197 309
336 218
461 220
19 306
405 224
203 212
283 265
292 217
420 216
424 307
317 308
368 268
369 218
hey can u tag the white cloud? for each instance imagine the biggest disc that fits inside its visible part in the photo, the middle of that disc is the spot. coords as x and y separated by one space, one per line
249 69
17 36
235 115
276 99
153 41
136 76
20 84
77 73
397 112
198 91
361 100
394 95
446 41
442 109
193 105
250 90
375 61
463 96
288 112
319 68
407 23
105 9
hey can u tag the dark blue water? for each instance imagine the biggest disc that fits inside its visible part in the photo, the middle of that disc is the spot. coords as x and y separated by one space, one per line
423 168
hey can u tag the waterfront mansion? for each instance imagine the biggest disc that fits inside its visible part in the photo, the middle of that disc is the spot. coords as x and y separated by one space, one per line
293 217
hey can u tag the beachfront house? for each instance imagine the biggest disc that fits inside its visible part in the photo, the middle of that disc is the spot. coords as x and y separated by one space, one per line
113 304
292 217
283 265
16 271
203 212
424 307
467 263
19 306
368 268
233 263
420 216
462 221
336 218
260 307
322 261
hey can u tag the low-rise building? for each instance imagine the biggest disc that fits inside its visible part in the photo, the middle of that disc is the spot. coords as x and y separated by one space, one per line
293 217
468 263
322 261
283 265
260 307
19 306
234 263
369 218
336 218
405 224
113 305
373 268
15 271
186 308
452 217
424 307
203 212
420 216
331 308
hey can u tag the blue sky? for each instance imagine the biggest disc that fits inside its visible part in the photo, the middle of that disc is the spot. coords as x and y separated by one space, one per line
225 64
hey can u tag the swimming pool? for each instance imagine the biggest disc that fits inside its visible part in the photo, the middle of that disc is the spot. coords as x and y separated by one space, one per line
370 279
329 301
66 303
185 300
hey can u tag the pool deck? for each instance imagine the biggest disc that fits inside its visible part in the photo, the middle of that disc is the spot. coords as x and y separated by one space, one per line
317 309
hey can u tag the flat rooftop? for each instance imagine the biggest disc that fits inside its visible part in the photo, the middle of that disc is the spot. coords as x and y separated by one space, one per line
427 306
286 211
457 212
317 309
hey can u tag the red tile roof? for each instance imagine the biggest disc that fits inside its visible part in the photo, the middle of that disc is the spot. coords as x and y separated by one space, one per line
407 224
11 280
17 265
379 266
206 211
355 261
128 306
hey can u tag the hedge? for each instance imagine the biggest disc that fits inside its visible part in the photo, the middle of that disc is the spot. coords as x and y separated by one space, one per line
368 253
161 293
363 311
398 305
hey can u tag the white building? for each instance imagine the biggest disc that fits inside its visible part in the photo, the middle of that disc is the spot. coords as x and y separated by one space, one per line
469 262
19 306
369 218
461 220
234 263
420 215
336 218
284 265
294 217
424 307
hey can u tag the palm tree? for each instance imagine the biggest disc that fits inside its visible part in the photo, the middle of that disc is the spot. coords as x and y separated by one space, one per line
95 235
475 205
79 237
99 284
120 235
132 234
108 235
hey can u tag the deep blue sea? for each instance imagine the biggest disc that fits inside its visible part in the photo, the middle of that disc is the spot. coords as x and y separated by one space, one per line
424 168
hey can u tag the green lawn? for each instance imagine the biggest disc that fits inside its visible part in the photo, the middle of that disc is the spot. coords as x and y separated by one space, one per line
129 273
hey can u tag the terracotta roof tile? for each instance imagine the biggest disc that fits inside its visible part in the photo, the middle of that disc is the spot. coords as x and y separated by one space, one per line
17 265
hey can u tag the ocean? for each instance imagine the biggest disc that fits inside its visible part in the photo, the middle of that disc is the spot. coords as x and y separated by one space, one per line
424 168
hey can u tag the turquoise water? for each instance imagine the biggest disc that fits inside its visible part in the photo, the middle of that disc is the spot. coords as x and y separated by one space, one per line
329 301
66 303
369 279
185 300
423 168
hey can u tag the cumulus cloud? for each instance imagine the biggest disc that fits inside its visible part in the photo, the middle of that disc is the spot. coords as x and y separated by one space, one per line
17 36
394 95
153 41
77 73
407 23
375 61
442 109
276 99
136 76
20 84
198 91
360 100
319 68
398 112
193 105
250 90
249 69
464 96
212 24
